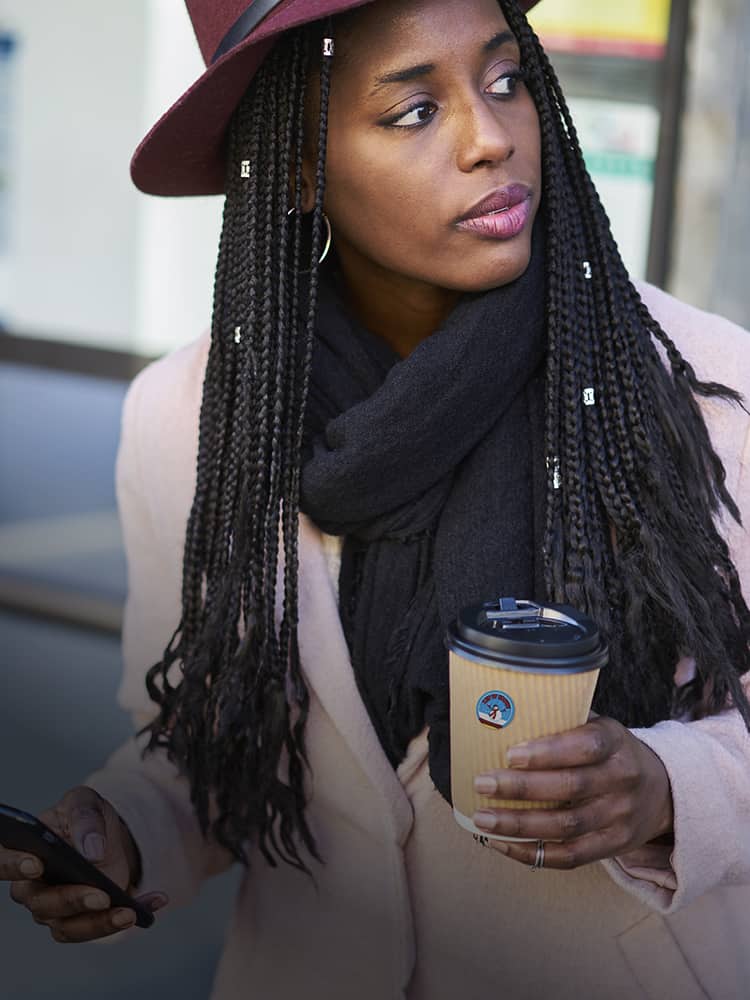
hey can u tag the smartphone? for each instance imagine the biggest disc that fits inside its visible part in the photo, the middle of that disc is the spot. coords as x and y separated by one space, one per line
63 864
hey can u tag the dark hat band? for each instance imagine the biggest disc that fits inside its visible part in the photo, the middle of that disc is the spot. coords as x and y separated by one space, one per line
243 26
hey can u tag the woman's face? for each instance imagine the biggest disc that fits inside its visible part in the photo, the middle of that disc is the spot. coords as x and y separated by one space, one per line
434 155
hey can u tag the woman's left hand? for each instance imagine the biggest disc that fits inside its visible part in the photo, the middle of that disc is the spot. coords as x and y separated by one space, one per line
616 792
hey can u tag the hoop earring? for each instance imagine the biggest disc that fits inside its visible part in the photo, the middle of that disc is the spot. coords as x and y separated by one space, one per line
329 235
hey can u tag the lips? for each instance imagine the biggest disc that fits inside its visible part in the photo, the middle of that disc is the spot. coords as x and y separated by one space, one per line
502 215
498 201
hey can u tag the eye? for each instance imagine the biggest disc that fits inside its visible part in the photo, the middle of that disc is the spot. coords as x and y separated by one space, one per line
505 85
417 114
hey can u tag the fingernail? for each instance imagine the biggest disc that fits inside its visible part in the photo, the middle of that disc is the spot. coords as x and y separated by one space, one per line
158 901
501 846
93 846
518 756
486 820
30 867
485 785
95 901
123 917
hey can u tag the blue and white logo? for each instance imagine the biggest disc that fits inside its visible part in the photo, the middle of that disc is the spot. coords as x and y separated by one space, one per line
496 709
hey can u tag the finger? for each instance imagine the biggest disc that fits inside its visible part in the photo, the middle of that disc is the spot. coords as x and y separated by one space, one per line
547 824
19 865
594 846
591 743
153 900
22 890
48 903
88 927
573 784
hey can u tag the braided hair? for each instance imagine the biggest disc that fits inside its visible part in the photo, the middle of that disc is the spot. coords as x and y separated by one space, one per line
634 483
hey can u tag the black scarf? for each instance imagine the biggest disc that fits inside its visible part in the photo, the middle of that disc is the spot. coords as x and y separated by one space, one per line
432 468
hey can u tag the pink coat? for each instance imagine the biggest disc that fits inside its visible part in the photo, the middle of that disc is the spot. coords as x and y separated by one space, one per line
408 905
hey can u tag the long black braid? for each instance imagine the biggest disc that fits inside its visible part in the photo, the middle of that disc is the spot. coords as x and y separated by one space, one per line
632 456
239 709
634 483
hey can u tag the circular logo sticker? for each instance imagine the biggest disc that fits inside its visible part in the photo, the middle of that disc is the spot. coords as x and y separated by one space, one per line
496 709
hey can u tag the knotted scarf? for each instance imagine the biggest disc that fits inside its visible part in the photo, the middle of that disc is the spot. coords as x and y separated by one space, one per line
432 468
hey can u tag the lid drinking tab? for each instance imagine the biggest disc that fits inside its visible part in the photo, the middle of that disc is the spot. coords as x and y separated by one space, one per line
508 613
529 634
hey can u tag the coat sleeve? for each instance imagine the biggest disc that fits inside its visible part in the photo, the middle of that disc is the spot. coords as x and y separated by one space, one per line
708 764
149 794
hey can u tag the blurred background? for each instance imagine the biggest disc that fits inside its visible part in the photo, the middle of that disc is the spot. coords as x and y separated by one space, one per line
97 279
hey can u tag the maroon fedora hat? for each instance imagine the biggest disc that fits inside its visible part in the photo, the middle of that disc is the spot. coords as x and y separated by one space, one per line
183 154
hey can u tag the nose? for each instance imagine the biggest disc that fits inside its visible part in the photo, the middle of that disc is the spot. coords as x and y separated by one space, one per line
484 137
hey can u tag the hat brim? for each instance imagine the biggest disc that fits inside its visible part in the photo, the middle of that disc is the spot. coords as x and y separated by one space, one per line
184 153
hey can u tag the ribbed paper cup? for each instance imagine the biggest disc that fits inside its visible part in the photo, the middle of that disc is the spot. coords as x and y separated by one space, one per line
518 671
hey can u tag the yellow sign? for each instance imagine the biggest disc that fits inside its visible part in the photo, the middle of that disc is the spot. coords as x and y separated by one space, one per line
640 21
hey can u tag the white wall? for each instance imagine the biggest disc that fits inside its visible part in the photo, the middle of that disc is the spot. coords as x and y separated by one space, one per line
79 91
178 238
91 259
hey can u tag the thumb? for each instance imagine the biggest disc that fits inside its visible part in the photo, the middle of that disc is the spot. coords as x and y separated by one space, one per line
88 830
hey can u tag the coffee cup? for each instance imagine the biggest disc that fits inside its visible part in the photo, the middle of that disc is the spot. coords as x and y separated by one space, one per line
518 671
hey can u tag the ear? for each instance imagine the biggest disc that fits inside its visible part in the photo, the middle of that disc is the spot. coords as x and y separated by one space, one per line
308 186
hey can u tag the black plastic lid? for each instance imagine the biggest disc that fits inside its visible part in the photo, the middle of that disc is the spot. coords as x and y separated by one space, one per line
523 635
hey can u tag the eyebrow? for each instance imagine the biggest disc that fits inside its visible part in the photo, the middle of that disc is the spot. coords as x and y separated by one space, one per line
498 40
424 69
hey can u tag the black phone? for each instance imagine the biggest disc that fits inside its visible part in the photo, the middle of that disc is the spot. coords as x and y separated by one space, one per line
63 864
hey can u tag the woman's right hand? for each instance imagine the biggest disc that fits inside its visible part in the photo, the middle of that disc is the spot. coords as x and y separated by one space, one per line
78 912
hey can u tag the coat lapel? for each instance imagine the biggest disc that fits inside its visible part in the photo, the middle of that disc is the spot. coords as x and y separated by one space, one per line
327 666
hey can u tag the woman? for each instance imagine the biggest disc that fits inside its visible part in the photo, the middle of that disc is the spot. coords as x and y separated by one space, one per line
464 396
